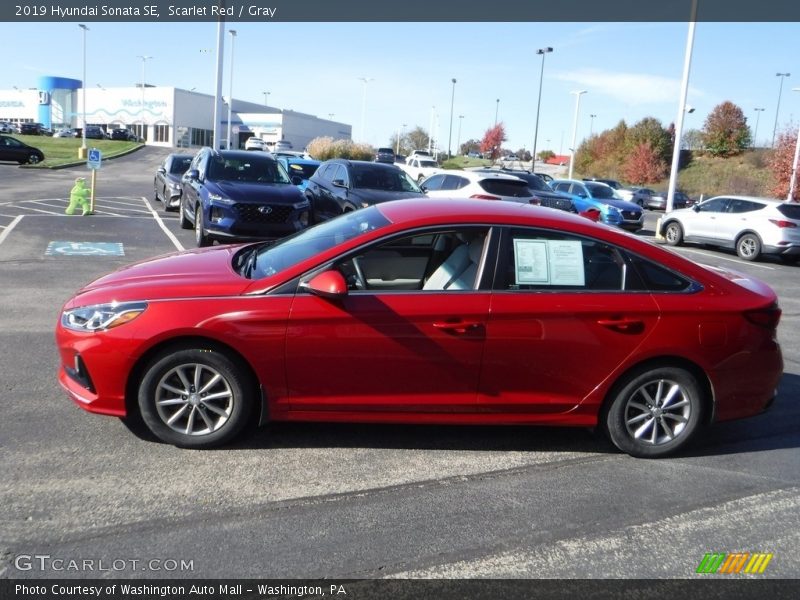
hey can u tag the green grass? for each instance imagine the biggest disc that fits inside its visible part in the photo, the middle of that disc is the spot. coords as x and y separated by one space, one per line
745 174
465 162
64 151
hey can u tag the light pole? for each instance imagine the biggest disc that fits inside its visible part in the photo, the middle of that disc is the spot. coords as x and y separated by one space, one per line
399 135
496 110
330 116
144 62
430 130
366 80
578 95
458 143
450 134
682 109
778 110
543 52
82 152
266 98
230 92
591 124
792 181
758 116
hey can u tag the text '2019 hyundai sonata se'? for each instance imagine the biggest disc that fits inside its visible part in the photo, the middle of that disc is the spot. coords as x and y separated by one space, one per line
426 311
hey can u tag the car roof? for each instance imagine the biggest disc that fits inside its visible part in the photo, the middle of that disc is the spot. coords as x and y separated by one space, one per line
354 163
754 198
478 175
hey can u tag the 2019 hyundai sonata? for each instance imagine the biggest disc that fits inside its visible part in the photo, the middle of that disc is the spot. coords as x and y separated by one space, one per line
426 311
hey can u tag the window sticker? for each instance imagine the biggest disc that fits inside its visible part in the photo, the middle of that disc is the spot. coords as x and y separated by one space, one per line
566 262
548 262
530 262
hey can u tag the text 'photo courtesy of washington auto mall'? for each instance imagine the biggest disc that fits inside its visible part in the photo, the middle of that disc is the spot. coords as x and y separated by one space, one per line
400 300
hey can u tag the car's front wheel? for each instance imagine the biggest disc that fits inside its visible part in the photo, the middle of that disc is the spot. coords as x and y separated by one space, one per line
195 397
748 246
200 235
674 234
655 412
33 158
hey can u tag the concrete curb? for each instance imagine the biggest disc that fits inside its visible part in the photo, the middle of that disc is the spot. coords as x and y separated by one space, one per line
78 163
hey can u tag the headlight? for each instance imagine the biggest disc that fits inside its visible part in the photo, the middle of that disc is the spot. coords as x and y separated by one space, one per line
220 199
299 205
612 210
101 316
365 204
175 187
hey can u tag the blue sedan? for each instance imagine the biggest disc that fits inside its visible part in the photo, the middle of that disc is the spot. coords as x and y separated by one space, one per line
591 195
303 168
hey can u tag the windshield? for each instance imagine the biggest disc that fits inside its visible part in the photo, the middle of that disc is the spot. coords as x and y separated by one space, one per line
180 165
601 191
303 170
253 169
387 179
289 251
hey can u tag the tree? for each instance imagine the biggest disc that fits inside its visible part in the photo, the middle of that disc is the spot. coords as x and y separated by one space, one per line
725 132
644 165
546 155
417 139
692 140
492 141
780 164
650 131
470 146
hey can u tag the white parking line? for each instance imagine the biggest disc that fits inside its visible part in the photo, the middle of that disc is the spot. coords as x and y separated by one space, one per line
7 231
720 257
161 224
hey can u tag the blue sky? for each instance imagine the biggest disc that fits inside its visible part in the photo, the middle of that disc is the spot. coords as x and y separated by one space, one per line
630 70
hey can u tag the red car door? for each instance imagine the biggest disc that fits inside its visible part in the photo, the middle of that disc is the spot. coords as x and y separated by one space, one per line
561 322
385 348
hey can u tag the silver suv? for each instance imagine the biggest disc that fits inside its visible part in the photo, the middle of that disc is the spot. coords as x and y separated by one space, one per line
752 226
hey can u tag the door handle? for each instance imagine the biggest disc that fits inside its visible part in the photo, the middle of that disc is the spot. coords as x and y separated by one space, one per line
622 325
457 327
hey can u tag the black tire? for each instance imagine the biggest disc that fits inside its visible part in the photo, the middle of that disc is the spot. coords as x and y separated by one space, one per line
654 412
200 235
187 420
673 233
748 247
33 158
185 222
789 259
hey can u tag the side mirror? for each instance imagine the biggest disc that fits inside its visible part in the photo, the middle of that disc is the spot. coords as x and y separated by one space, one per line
592 214
193 174
328 284
297 180
162 170
339 183
424 188
696 208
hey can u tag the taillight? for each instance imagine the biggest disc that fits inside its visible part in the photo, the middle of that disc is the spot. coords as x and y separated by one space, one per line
782 223
536 201
764 317
485 197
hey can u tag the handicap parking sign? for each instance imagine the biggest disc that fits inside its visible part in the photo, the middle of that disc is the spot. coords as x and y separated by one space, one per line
95 157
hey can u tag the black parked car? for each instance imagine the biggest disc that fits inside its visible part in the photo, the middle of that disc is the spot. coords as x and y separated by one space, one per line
13 150
542 192
385 155
95 132
167 182
238 196
340 186
33 129
122 134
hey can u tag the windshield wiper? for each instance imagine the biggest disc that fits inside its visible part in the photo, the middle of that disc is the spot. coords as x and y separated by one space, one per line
250 263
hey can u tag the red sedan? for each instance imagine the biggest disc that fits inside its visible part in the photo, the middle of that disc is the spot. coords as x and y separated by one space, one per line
426 311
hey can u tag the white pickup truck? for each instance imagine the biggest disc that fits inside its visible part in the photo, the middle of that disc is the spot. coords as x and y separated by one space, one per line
420 167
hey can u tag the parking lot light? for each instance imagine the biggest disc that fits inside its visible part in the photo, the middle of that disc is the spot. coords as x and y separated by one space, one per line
144 62
230 91
578 95
82 152
543 52
793 179
366 80
778 109
758 116
450 134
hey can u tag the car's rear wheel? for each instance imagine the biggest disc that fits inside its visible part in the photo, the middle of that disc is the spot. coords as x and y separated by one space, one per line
200 235
674 234
748 247
195 397
654 412
33 158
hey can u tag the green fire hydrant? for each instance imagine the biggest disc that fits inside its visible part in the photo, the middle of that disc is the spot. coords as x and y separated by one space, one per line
79 196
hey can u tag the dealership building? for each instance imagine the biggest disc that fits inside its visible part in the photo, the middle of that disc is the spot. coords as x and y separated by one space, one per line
162 116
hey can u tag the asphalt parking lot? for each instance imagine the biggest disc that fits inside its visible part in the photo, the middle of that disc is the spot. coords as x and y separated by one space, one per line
348 501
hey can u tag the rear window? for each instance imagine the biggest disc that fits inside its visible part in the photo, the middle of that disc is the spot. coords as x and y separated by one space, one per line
385 151
302 170
600 191
790 211
506 187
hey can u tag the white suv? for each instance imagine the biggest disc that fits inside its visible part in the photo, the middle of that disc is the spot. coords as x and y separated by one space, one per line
255 143
752 226
477 185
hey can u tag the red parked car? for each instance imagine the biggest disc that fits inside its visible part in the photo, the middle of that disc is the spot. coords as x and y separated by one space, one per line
426 311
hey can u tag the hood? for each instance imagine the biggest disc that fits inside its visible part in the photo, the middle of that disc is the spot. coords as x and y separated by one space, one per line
192 273
376 196
620 204
241 191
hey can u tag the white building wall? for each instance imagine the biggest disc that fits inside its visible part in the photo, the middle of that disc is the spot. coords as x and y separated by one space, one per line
19 105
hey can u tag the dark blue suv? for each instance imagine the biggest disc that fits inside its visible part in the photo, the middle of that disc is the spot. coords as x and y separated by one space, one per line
240 196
